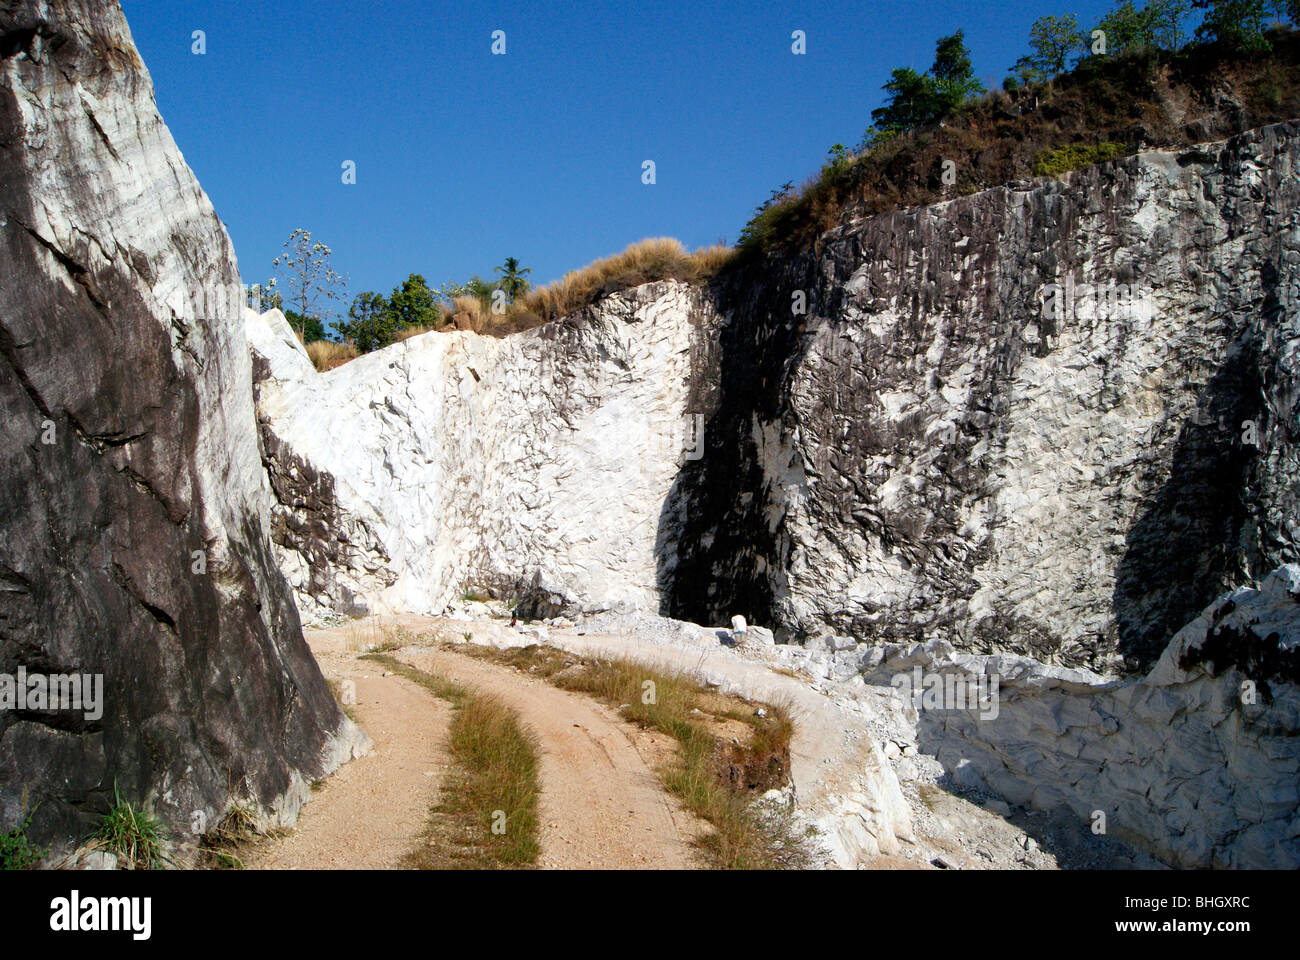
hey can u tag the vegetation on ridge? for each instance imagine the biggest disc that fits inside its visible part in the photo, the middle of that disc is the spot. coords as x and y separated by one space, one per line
1135 81
1104 108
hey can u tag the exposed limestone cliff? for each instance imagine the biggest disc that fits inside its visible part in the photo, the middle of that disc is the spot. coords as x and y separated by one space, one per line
928 443
926 455
535 466
134 507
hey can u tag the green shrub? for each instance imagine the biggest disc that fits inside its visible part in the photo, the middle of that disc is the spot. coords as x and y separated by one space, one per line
16 851
1074 156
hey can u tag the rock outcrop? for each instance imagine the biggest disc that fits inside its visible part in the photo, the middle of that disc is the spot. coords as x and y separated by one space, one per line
935 451
534 467
1055 418
1026 433
1197 763
134 508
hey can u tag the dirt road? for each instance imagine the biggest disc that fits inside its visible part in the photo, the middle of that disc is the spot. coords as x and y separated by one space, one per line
601 804
371 812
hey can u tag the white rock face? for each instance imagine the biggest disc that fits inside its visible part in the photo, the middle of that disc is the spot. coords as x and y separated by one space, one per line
536 466
932 453
1197 763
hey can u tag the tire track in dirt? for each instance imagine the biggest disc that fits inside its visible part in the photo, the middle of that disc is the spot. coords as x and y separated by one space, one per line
372 811
601 804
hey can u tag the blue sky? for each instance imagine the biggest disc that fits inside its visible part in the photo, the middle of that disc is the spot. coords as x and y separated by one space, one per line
464 158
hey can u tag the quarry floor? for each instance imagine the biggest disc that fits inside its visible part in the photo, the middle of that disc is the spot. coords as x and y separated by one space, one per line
601 803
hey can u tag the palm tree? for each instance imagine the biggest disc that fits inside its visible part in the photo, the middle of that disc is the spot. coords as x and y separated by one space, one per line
512 278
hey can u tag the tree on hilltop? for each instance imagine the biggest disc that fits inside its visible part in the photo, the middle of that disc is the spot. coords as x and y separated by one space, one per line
512 280
309 278
1240 24
1051 39
370 324
413 304
920 98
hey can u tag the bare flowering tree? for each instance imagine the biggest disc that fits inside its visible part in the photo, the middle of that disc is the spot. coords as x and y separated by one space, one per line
309 279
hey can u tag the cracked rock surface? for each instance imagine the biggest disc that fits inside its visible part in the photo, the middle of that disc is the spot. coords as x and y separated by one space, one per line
535 466
134 508
1197 763
929 453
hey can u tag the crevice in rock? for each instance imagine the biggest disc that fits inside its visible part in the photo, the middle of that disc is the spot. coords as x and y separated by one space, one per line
79 273
157 613
103 134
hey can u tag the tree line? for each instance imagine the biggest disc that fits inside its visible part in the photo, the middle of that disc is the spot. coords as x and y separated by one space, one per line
915 99
306 283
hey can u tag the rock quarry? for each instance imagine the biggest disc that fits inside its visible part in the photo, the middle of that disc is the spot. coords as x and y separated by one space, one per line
1045 425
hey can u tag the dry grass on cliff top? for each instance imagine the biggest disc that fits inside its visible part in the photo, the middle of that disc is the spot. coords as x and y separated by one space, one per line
717 774
652 259
646 261
326 355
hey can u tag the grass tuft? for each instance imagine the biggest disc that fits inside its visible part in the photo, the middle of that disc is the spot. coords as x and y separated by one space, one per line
656 258
222 846
326 355
486 816
406 333
134 835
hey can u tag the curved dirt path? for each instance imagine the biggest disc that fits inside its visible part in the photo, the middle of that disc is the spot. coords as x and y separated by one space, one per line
601 805
844 783
372 811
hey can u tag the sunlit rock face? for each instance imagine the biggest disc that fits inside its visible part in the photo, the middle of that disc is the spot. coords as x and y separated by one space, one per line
1053 418
534 467
134 508
947 446
1197 762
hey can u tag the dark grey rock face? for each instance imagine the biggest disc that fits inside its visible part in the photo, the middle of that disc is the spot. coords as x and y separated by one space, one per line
934 451
134 507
